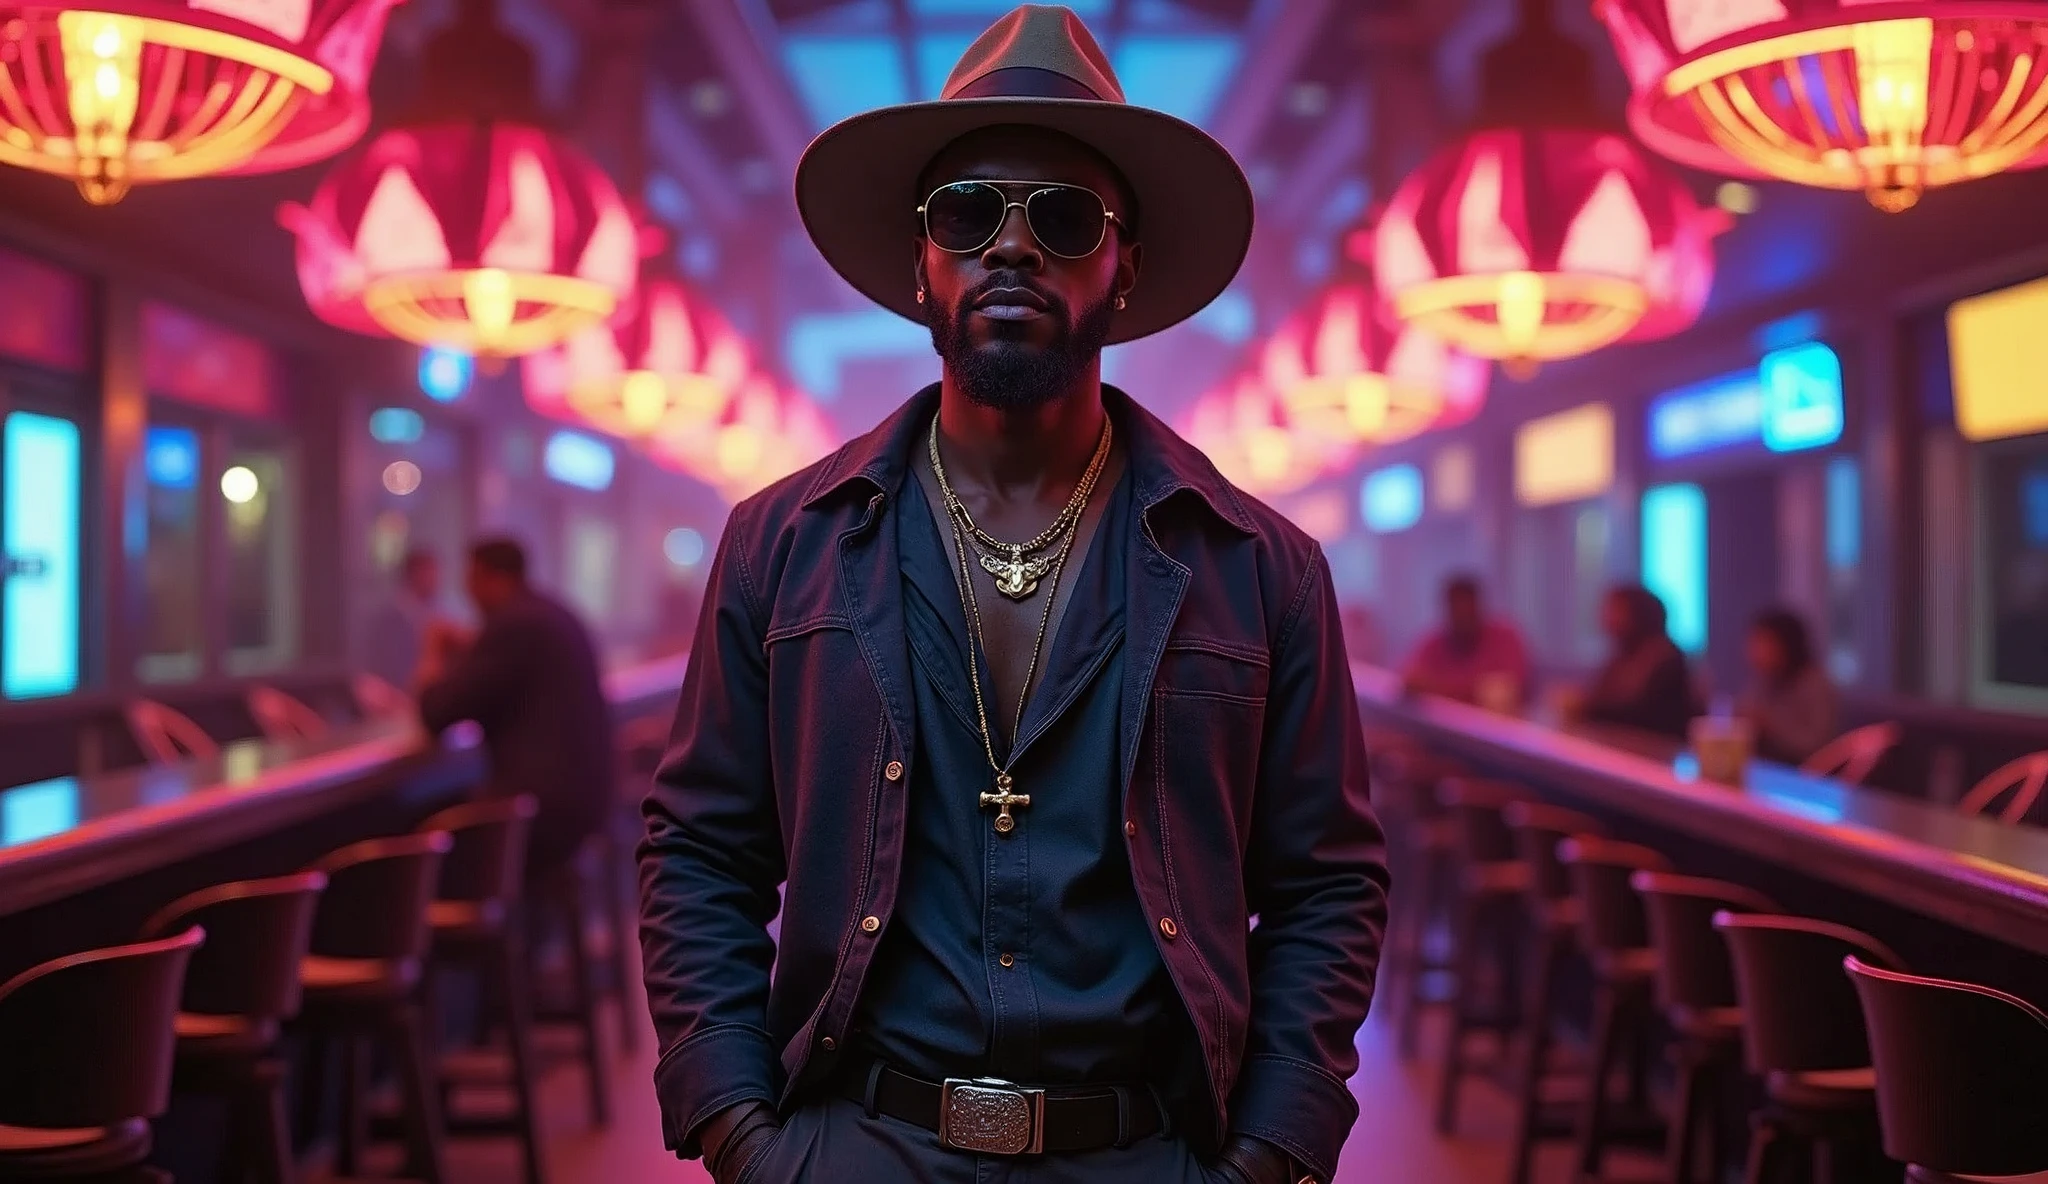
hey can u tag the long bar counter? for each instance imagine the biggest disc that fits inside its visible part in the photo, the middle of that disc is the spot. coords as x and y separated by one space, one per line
71 835
1981 876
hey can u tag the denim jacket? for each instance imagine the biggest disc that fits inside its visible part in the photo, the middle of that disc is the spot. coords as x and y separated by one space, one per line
1243 762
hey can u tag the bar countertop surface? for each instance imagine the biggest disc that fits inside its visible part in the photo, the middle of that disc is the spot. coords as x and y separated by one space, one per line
69 834
1984 876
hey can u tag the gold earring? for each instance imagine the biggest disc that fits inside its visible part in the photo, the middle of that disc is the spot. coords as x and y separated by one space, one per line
1119 300
920 295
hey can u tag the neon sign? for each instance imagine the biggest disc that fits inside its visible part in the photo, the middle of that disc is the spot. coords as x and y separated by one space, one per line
1790 402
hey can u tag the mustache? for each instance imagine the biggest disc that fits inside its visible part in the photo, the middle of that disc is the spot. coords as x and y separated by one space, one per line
1012 279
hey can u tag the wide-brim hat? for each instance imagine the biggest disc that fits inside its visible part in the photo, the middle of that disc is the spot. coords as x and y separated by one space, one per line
1038 66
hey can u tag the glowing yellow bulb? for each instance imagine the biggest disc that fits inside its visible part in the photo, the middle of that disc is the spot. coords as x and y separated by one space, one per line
1270 453
1892 59
239 485
487 295
739 450
643 400
1367 404
1519 311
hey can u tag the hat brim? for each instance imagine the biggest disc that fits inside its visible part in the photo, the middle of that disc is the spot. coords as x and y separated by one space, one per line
854 191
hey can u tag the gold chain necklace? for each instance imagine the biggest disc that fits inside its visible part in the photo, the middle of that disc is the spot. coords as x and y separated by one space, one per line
1005 796
1017 567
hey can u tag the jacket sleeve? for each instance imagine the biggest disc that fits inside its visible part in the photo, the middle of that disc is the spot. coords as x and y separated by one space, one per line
1316 877
710 865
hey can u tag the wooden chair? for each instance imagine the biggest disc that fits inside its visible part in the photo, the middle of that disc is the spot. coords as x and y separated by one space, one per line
166 735
283 717
2017 784
1853 756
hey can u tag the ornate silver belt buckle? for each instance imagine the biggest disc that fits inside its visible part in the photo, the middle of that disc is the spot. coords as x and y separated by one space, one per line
991 1116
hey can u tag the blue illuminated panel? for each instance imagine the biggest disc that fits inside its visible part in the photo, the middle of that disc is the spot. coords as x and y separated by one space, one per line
1675 559
38 811
170 457
1845 514
445 374
1706 417
396 425
39 544
1802 397
1390 500
576 459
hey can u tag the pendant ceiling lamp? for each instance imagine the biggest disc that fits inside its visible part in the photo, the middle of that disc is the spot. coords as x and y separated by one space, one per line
1249 436
764 433
470 225
666 361
1891 97
1544 233
132 92
1347 371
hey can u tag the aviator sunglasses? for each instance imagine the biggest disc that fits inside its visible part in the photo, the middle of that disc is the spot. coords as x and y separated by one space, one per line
1067 220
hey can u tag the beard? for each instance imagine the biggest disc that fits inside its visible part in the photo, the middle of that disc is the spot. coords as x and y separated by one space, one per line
1010 375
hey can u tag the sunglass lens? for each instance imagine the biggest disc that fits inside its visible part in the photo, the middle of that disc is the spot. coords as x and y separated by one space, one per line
1067 221
963 217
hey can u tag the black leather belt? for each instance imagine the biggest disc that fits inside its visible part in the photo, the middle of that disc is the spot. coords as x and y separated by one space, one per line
996 1117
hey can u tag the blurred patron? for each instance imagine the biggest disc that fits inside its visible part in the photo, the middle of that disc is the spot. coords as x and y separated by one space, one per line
1790 704
400 628
530 679
1645 684
1473 658
1363 641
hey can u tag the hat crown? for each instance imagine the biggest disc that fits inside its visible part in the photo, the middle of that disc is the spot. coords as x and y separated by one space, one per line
1036 41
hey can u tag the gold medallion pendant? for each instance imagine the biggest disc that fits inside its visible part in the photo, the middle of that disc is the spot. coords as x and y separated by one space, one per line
1016 577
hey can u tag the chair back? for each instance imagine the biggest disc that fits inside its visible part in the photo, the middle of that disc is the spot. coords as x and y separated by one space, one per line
2010 791
166 735
1476 808
376 698
377 895
1538 828
1854 755
88 1040
1962 1073
283 717
487 853
1612 919
1799 1012
257 932
1693 969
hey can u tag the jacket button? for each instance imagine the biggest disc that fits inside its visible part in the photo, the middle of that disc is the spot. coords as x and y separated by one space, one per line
828 1044
894 771
1167 927
869 924
1130 830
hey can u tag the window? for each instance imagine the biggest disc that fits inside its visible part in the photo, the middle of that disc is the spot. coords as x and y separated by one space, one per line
39 556
261 594
2012 649
172 632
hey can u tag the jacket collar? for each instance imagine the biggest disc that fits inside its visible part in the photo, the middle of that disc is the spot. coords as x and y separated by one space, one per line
1161 463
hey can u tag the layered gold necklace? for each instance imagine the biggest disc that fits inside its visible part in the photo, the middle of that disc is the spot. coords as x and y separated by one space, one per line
1063 532
1018 567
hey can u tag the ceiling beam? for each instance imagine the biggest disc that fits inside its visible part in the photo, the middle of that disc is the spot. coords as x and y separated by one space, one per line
1278 37
1339 145
675 148
743 36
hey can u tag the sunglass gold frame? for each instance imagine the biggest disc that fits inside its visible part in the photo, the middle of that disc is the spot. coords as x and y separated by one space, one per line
1037 187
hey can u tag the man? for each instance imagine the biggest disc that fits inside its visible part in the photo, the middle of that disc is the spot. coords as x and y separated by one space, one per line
1034 711
398 634
531 681
1471 653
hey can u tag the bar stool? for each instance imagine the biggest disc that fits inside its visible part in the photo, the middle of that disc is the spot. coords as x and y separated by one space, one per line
166 735
1962 1077
240 988
281 715
1696 993
476 921
1616 935
1802 1032
2009 791
1554 919
86 1041
1420 841
1488 885
1854 756
363 980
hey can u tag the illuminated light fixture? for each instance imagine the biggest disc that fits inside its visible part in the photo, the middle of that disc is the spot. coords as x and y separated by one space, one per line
1565 457
683 547
470 225
396 425
402 477
1346 371
1994 352
576 459
1545 233
134 92
1247 433
239 484
764 433
667 360
1390 499
445 374
1890 97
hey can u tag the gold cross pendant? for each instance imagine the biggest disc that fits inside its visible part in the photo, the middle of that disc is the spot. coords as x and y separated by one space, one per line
1016 577
1005 799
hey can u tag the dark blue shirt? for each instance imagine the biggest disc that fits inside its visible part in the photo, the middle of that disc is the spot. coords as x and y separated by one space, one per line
1085 997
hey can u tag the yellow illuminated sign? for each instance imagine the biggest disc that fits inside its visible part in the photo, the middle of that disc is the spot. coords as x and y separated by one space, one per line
1565 457
1994 349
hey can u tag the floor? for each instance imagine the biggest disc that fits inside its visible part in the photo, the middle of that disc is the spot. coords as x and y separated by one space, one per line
1393 1142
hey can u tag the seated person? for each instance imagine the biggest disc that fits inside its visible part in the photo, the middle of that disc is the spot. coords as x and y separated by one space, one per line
530 679
1645 684
1790 704
1470 649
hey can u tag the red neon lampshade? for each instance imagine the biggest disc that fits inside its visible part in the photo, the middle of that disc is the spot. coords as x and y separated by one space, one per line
1346 371
1249 436
469 226
131 92
765 433
1891 97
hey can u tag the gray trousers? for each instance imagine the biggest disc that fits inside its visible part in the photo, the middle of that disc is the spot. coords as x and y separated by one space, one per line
833 1141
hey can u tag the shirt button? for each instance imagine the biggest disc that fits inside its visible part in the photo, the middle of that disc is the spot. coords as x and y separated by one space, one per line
1008 960
893 771
869 924
828 1044
1130 830
1167 927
